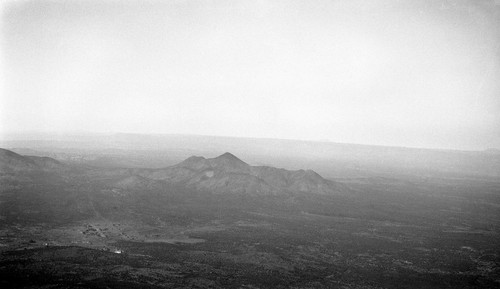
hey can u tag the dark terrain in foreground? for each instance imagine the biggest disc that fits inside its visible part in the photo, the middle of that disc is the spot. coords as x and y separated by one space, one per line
220 223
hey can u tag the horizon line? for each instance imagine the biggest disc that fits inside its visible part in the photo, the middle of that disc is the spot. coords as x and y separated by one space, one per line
326 141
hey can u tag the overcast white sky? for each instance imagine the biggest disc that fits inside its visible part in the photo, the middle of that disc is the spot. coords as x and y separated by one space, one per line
404 73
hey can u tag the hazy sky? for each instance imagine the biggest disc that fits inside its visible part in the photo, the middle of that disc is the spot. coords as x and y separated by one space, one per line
406 73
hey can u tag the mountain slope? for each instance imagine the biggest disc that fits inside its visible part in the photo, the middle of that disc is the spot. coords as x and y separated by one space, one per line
11 162
228 174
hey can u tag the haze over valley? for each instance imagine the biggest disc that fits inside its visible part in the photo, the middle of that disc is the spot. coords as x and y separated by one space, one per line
123 217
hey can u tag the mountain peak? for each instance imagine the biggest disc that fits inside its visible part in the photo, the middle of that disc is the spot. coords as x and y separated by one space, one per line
229 162
194 162
228 156
194 159
225 162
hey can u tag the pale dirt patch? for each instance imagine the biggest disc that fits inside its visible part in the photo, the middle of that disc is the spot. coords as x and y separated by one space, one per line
176 240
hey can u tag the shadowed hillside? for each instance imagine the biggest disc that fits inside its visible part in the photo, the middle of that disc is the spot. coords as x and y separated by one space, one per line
12 162
228 174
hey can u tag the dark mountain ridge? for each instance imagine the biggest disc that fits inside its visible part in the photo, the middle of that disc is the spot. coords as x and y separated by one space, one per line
223 174
11 162
228 174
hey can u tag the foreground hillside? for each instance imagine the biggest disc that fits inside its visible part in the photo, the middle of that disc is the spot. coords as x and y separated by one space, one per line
222 223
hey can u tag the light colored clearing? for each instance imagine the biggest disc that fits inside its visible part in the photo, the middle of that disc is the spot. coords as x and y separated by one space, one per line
176 240
376 236
209 174
468 248
243 223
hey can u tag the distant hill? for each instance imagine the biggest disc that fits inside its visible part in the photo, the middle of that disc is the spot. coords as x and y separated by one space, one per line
12 162
228 174
223 174
331 160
